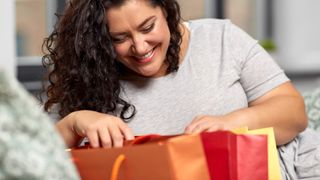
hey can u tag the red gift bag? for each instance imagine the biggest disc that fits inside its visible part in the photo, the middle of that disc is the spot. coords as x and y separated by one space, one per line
156 158
236 157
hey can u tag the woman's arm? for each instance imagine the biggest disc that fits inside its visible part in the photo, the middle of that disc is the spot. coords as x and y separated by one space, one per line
281 108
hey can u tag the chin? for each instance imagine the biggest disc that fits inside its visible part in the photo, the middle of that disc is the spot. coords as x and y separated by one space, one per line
150 73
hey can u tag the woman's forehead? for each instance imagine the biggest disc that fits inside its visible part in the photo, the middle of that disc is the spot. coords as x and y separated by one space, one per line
132 13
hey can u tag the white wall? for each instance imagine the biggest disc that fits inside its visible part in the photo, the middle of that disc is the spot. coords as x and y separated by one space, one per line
297 35
7 36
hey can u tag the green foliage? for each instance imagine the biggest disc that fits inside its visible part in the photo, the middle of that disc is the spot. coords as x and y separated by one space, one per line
268 44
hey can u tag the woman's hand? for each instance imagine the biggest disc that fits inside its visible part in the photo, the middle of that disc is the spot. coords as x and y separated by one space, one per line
208 124
281 108
102 130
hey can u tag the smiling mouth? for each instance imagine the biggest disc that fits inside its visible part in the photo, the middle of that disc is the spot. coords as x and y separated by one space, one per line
145 58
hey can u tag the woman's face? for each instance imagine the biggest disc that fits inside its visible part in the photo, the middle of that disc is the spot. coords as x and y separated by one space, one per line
140 37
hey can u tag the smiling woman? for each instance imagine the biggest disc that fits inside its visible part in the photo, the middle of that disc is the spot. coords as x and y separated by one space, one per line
113 57
104 57
132 67
141 37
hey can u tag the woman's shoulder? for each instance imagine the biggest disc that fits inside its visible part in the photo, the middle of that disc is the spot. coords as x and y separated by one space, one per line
220 28
209 22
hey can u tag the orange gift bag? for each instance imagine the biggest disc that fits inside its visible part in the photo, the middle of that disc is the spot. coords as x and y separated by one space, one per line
160 158
221 155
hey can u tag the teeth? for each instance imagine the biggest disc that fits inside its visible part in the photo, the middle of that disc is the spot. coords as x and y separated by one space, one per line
147 55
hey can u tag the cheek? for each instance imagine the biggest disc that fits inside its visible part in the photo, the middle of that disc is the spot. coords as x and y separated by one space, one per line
163 35
161 38
121 50
122 53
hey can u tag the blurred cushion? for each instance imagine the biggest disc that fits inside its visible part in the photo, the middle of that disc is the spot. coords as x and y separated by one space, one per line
312 101
30 147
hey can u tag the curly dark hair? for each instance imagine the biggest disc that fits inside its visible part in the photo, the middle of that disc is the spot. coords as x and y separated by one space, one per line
79 56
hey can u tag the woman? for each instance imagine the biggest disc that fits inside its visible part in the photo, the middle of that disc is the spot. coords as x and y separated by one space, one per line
120 68
129 67
123 68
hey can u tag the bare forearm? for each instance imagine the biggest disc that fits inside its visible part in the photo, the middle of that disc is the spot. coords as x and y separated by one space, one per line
285 113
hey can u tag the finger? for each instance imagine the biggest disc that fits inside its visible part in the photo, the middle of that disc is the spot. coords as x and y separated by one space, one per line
116 136
79 132
195 122
93 139
201 127
105 138
216 128
126 131
197 118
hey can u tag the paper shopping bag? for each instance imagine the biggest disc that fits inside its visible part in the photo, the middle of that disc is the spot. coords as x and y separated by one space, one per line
172 158
274 172
236 157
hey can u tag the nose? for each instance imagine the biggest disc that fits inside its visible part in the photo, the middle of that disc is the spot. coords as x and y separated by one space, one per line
139 45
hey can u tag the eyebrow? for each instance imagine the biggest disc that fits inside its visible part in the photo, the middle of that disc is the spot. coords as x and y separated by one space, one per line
146 21
140 26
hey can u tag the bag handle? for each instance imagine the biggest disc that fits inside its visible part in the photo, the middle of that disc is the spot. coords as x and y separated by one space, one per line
116 167
143 139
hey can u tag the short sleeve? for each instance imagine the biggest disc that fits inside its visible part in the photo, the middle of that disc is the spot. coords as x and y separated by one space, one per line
258 71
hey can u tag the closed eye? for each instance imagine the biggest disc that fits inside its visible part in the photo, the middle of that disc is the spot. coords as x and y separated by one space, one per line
148 28
119 39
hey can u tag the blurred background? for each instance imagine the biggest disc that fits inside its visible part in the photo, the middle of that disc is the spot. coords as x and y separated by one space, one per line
288 29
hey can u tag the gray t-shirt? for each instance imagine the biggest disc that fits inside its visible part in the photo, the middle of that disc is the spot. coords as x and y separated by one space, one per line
223 70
